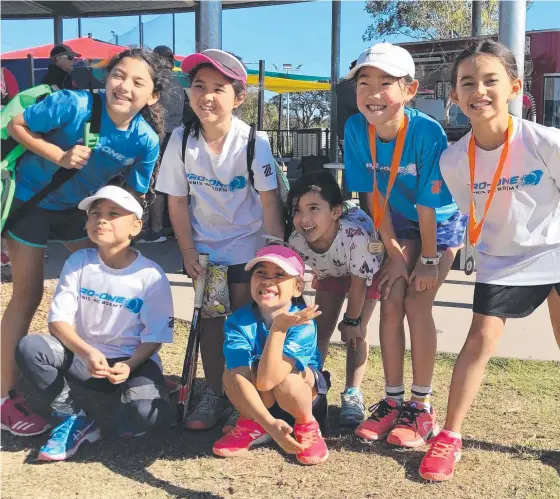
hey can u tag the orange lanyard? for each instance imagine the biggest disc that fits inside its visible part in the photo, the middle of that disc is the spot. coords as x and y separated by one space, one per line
475 228
378 211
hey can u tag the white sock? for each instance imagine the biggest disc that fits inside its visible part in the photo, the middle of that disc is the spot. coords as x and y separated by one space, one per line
452 433
395 393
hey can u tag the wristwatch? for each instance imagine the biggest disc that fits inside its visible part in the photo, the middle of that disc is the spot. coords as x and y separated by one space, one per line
430 260
352 322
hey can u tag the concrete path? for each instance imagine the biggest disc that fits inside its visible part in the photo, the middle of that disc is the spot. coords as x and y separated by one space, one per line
529 338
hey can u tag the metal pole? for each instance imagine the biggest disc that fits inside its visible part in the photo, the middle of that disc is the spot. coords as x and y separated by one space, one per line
260 115
31 67
58 30
476 20
280 146
173 29
197 26
335 71
512 35
288 117
209 35
79 27
140 31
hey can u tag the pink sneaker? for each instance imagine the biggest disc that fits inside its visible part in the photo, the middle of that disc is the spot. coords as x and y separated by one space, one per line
316 451
18 418
439 462
238 441
415 426
383 417
5 259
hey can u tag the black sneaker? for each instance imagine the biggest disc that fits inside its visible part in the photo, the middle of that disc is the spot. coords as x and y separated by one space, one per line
149 236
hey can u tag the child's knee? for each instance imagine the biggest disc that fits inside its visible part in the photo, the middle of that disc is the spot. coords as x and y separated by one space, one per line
392 308
417 303
30 350
292 384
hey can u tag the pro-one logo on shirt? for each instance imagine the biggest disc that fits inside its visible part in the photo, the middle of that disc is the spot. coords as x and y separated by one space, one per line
409 169
236 184
134 305
122 159
511 183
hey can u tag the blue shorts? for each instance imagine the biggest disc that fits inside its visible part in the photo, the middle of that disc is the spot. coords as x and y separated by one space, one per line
449 234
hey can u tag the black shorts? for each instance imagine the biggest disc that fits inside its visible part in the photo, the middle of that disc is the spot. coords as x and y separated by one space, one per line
511 302
41 226
320 405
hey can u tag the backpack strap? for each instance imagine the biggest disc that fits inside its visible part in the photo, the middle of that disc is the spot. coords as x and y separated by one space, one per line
62 175
186 132
251 155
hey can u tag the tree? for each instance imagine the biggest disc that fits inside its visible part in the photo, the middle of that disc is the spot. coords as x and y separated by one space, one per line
307 109
426 19
248 111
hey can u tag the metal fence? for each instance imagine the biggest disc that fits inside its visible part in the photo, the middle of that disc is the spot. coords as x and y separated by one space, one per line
299 143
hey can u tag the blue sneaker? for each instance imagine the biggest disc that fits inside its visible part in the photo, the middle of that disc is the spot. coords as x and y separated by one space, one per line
352 410
67 437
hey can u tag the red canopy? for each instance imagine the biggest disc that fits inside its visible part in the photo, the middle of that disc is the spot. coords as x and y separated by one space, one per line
89 48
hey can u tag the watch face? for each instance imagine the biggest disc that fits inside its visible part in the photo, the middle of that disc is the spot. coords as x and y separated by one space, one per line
469 265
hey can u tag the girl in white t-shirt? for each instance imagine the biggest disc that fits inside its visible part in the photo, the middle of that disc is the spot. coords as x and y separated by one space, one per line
335 244
214 206
506 174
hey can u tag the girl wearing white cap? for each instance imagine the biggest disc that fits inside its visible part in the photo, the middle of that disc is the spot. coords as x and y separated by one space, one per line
214 205
392 152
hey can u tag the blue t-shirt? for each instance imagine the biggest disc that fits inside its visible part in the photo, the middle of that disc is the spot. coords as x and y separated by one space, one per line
61 118
246 334
419 179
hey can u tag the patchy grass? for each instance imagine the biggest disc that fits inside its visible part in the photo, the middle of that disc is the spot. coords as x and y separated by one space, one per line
512 442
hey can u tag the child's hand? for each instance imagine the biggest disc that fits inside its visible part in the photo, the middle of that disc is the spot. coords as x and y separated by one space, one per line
392 270
350 334
280 432
286 320
77 157
426 276
193 268
118 373
96 364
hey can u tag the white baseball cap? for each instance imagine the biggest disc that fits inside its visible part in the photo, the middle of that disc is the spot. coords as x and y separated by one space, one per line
116 194
392 59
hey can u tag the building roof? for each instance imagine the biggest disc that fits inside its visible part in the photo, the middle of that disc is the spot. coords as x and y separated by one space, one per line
48 9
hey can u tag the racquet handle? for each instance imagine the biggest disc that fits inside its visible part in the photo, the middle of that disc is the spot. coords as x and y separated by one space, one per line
199 283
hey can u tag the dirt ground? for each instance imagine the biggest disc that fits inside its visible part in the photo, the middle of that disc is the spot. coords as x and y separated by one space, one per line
511 446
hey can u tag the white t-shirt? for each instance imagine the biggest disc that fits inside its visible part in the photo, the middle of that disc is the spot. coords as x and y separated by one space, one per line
115 310
520 239
348 253
226 211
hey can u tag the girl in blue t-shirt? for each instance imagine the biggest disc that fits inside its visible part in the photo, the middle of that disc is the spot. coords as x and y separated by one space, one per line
52 131
272 374
392 152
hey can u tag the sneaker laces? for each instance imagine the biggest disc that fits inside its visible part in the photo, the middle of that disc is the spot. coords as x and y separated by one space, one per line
60 433
238 431
207 403
352 401
440 450
408 415
380 410
308 438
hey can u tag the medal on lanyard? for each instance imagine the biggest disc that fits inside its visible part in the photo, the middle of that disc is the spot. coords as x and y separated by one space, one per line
376 246
475 228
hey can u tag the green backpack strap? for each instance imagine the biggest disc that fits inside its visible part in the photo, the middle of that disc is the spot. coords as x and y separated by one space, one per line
92 130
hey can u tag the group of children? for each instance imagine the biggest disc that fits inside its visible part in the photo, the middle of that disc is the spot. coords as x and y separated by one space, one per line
264 364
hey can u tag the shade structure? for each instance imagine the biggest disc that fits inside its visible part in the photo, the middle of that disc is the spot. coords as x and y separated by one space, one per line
89 48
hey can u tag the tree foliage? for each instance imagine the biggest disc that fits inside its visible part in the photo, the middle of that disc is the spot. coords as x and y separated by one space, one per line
248 111
307 109
427 19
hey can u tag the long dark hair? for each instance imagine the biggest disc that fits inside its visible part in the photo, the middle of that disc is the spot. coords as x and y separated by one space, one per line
193 125
489 48
154 114
321 182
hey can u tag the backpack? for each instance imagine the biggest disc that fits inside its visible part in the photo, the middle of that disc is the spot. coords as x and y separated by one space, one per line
12 151
281 179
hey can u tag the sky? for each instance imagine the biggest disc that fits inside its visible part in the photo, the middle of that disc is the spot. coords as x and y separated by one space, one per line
292 33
